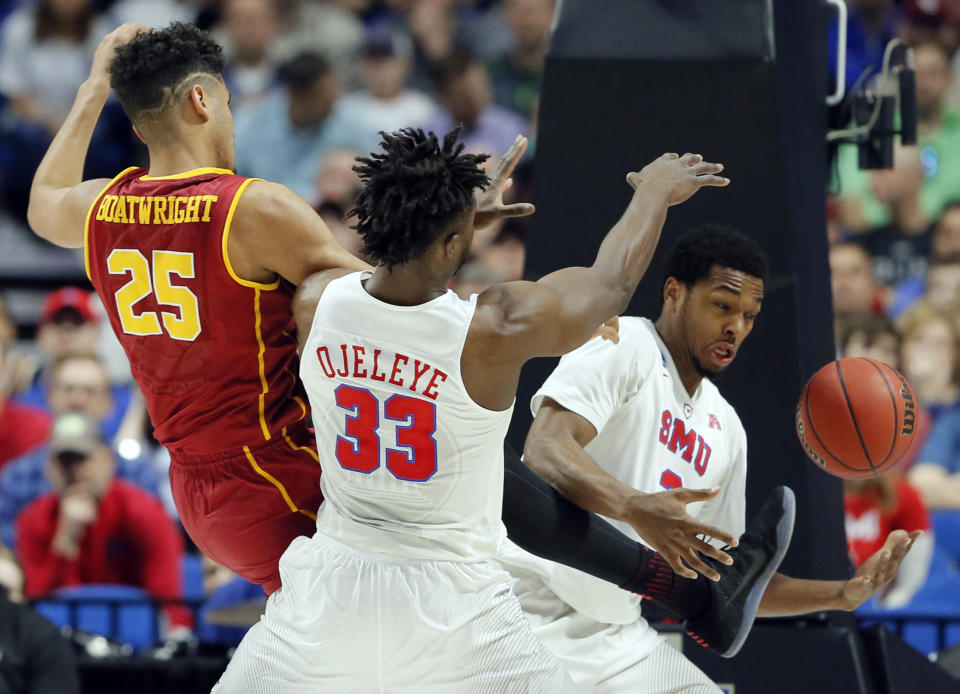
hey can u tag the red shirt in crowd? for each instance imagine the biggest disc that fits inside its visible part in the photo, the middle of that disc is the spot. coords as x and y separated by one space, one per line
131 542
22 428
868 523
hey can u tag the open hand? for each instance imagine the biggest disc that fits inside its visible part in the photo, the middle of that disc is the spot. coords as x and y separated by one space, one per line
879 569
677 178
609 330
490 205
662 521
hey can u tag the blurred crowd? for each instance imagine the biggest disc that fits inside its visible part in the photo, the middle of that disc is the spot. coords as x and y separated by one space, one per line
895 273
84 490
84 493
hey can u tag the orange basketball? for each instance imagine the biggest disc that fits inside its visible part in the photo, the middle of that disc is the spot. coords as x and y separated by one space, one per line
856 417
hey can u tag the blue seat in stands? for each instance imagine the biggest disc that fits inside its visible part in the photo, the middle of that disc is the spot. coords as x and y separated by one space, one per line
191 572
131 620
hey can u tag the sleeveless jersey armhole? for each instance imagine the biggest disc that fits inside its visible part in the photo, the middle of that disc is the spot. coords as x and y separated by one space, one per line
226 236
86 223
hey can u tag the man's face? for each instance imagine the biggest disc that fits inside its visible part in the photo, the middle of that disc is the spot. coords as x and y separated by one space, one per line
310 105
884 347
251 25
385 75
946 239
933 78
80 385
529 20
715 316
943 288
67 333
468 96
851 278
92 471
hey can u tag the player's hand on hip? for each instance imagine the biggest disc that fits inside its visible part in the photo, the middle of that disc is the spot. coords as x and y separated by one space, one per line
879 569
662 521
676 177
490 205
100 69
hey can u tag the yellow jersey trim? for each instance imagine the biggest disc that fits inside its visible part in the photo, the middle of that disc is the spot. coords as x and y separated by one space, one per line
264 387
276 483
312 453
86 221
226 236
188 174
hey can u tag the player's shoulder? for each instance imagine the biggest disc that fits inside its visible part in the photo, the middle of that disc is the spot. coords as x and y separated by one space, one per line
638 335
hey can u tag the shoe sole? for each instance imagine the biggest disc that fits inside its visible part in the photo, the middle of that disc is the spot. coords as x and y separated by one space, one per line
784 534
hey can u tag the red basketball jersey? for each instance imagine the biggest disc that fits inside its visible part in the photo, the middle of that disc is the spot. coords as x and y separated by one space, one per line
214 355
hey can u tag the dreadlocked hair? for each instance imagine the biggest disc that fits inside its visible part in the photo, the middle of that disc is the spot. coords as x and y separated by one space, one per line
412 191
147 72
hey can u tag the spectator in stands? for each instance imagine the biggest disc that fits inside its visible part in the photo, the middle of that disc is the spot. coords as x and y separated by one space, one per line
34 657
337 182
875 337
517 75
944 244
463 89
45 52
943 285
78 383
323 27
853 284
250 28
929 357
286 135
69 325
873 509
385 102
22 427
938 141
870 27
94 528
899 249
937 471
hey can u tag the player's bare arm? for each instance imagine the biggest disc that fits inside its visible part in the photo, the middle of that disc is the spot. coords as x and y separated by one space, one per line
275 232
59 197
517 321
555 451
306 298
786 596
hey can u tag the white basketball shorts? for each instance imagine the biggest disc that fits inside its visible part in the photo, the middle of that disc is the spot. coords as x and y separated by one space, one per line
347 622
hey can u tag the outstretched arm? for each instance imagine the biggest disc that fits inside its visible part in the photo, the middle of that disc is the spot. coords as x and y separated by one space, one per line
561 310
59 197
555 451
788 596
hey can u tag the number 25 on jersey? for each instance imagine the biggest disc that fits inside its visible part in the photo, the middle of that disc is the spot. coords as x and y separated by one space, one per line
143 283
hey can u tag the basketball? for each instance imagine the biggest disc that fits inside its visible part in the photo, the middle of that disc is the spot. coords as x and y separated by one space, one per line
856 417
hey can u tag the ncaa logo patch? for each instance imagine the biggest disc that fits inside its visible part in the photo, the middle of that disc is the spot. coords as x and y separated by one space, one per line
687 411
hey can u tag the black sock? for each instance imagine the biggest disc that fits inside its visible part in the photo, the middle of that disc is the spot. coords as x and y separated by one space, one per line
543 522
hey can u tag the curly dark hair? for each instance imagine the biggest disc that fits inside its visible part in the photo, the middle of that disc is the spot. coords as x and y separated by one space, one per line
412 191
147 71
697 251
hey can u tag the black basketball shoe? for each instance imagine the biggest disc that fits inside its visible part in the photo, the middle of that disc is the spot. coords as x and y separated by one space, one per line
736 596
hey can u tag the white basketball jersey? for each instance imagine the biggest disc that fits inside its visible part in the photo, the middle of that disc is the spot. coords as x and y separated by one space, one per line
651 435
412 466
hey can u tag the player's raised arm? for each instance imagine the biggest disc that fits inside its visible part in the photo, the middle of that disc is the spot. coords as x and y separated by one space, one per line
59 197
561 310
